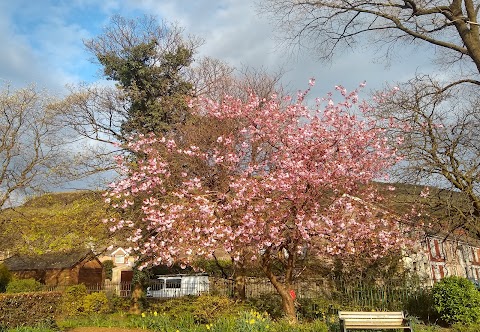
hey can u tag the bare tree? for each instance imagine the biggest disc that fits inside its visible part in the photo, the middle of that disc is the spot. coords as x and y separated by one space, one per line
32 150
442 141
441 147
214 78
95 112
326 26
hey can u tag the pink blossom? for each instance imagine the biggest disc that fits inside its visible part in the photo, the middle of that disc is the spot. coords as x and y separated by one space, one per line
298 178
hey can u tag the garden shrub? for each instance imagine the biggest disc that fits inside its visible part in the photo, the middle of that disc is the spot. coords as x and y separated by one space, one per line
421 306
204 309
269 303
457 300
73 300
95 303
23 286
108 268
5 277
317 308
118 303
29 309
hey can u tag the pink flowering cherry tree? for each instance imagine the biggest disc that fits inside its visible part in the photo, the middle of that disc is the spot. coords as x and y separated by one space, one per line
298 184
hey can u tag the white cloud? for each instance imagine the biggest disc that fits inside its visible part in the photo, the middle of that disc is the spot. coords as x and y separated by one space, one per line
234 32
42 42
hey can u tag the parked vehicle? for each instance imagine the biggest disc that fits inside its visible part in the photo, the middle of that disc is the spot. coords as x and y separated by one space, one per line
178 285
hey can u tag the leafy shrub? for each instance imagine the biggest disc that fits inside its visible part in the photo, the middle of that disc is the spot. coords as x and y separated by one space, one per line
118 303
317 308
96 303
73 300
457 300
204 309
421 306
269 303
5 277
23 286
108 268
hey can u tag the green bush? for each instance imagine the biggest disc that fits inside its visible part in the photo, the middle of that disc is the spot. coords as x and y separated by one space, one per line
204 309
73 300
23 286
118 303
108 268
457 300
5 277
269 303
96 303
421 306
317 308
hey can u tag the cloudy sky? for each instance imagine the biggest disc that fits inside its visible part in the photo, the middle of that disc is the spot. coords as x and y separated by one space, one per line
42 42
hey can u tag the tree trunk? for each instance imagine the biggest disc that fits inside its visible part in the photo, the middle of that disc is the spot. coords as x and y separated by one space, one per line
137 294
239 288
288 302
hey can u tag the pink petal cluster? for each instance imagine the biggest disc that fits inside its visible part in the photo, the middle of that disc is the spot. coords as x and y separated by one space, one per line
298 181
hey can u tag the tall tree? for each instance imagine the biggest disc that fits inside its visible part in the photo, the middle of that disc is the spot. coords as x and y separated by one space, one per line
32 138
451 27
441 147
297 184
147 59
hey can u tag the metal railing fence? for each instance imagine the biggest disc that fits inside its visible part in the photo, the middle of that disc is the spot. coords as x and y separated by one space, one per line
352 294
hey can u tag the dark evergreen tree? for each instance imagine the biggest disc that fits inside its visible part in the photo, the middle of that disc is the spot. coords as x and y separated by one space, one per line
147 60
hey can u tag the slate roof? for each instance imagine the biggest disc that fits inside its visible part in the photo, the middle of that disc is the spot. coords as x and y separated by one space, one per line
48 261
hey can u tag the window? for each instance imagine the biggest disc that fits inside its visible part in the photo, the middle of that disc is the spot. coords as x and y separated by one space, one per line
474 254
438 271
119 259
436 249
157 284
173 283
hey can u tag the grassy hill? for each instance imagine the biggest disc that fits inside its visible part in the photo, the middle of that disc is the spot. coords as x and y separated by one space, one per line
55 222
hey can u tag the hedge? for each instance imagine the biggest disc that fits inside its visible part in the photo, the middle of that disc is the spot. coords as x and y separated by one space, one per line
28 309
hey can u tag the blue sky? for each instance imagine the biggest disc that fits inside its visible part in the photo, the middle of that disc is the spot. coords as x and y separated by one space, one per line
42 43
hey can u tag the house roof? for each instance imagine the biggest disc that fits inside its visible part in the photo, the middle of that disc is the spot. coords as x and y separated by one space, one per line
117 251
48 261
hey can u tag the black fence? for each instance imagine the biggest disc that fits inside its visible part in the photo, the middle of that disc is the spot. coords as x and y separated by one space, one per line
369 296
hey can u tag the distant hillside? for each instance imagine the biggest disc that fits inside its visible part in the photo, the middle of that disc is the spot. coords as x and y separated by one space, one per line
61 199
445 210
55 222
61 221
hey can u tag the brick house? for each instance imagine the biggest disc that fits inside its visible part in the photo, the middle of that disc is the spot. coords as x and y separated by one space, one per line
123 263
58 268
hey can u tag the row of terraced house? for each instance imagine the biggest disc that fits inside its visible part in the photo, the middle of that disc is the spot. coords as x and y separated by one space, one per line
444 255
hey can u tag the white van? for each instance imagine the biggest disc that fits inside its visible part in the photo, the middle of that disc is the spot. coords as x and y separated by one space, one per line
178 285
